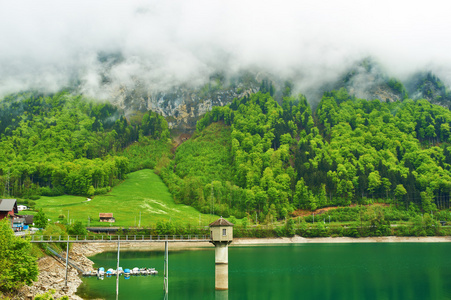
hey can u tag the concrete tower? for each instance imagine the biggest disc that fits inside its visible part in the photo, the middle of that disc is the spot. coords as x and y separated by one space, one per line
221 236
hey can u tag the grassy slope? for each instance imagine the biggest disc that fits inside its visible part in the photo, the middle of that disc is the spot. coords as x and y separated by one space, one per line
143 191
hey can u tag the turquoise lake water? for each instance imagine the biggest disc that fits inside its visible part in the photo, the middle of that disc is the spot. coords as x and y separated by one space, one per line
292 271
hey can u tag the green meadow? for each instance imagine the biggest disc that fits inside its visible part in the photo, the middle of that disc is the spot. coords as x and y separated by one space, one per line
143 194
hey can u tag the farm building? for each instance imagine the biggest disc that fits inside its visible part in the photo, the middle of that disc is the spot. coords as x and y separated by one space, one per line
106 217
8 207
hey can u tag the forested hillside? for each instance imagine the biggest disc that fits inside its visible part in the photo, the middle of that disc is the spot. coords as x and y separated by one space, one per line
252 157
276 159
51 145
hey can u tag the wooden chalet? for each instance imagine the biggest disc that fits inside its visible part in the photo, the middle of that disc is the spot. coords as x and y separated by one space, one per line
8 208
106 217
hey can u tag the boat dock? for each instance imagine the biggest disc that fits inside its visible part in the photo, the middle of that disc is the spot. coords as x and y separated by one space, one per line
126 272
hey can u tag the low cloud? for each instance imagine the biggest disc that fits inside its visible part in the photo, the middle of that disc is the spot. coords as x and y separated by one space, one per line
102 45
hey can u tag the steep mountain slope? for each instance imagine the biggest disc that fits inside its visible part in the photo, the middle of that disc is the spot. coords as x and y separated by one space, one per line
181 105
368 80
356 151
427 86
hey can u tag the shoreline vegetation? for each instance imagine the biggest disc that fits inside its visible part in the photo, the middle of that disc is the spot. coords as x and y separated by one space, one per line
335 240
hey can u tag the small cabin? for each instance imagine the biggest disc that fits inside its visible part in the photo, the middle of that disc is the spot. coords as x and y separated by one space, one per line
106 217
221 230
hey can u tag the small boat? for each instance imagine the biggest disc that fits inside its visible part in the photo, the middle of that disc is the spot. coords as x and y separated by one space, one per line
101 271
152 271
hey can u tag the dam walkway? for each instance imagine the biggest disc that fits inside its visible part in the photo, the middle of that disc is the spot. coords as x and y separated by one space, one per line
117 238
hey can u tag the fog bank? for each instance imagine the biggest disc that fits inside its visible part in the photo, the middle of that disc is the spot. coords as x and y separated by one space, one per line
101 45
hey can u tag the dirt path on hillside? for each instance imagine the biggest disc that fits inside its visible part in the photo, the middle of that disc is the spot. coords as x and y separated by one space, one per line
306 212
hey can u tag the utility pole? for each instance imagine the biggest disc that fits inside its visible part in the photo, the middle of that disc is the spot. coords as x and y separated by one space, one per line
117 269
67 258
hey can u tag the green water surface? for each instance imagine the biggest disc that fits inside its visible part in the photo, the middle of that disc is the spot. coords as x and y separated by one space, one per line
294 271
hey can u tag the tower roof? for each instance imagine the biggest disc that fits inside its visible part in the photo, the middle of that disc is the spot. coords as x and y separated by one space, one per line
221 222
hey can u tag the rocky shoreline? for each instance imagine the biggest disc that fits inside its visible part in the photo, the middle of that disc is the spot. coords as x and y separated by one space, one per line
52 273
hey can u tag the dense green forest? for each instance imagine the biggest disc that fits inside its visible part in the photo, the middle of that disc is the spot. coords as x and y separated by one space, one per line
279 158
51 145
255 157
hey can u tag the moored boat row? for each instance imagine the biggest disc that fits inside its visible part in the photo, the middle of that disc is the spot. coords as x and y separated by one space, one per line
100 272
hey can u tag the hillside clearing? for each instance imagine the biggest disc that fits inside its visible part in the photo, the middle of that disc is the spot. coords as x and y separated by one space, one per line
143 192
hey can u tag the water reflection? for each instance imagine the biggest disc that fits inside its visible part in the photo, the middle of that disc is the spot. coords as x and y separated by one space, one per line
222 295
219 295
320 271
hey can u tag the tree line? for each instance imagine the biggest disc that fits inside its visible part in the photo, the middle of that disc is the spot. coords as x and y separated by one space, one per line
64 143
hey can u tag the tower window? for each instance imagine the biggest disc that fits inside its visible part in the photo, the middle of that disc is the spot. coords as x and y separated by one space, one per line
224 232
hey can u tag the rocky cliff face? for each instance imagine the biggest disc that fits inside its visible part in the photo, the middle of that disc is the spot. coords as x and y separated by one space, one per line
181 106
427 86
368 80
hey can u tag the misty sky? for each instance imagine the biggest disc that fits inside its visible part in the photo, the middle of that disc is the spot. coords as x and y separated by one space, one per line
45 44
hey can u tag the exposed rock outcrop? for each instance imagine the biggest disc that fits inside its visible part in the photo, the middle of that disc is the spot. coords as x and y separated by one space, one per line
181 107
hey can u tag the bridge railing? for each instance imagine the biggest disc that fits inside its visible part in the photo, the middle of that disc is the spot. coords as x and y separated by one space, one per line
111 238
